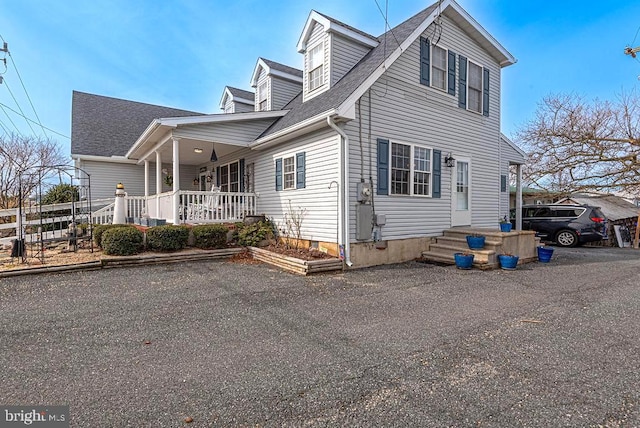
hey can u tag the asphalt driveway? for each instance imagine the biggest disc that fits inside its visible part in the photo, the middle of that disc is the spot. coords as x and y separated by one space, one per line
232 344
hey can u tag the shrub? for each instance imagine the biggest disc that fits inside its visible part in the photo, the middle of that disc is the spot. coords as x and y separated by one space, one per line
250 235
210 236
122 241
167 238
99 229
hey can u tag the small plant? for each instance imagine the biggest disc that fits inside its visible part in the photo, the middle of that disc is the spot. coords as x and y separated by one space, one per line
292 228
504 220
167 238
250 235
122 241
99 229
208 236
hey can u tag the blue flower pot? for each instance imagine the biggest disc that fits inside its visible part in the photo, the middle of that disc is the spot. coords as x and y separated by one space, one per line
505 227
544 254
475 242
463 261
508 262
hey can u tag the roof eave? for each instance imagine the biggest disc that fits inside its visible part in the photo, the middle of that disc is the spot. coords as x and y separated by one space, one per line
308 125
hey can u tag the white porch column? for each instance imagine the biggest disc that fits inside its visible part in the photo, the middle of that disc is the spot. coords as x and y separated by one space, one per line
519 198
146 179
158 181
176 180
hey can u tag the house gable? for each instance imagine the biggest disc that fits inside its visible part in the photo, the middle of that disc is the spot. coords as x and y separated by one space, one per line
276 84
236 100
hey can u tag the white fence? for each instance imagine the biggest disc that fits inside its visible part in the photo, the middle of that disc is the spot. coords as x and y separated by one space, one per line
193 207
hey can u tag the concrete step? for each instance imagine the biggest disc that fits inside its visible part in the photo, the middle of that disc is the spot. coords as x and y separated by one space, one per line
461 242
481 256
437 257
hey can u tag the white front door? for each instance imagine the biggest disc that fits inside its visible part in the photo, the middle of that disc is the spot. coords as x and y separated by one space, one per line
461 193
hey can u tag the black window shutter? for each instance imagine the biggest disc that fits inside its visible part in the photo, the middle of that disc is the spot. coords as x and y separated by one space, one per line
218 176
383 166
462 93
485 92
278 174
300 173
241 177
503 183
425 57
437 174
452 73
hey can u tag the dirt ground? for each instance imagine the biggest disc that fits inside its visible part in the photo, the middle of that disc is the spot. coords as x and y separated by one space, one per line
57 255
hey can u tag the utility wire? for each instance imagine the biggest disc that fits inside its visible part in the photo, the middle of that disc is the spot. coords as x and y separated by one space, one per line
386 22
18 104
24 88
26 118
27 94
2 106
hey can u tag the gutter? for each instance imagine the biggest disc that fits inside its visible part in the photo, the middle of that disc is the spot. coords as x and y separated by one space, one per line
343 207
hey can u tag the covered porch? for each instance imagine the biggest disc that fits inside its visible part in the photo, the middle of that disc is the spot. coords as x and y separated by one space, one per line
194 167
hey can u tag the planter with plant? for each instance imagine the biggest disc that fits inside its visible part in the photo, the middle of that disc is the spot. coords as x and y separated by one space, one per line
508 261
463 260
505 224
475 241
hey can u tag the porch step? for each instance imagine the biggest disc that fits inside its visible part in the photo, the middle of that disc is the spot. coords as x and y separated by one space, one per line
444 258
461 242
484 256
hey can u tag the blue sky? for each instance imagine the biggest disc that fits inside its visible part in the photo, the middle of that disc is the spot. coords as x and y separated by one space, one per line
182 53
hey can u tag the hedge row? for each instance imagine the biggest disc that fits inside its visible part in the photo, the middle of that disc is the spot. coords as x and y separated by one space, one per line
125 240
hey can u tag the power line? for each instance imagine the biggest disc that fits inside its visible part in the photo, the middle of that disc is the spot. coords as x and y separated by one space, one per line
27 94
2 106
18 105
26 118
386 22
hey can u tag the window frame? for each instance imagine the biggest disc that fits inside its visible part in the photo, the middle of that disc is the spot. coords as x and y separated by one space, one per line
289 174
412 170
263 96
480 91
229 184
445 70
318 69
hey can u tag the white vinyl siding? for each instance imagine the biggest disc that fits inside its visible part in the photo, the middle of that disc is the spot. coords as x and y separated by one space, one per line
321 168
234 133
402 112
344 55
438 67
283 91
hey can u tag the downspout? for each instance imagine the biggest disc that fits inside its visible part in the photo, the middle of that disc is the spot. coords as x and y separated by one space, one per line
343 166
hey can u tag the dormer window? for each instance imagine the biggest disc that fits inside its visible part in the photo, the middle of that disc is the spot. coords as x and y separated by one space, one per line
316 67
262 97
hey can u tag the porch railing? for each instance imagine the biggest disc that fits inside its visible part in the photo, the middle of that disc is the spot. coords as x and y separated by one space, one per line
215 207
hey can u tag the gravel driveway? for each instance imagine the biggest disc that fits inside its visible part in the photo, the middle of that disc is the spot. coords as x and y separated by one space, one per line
231 344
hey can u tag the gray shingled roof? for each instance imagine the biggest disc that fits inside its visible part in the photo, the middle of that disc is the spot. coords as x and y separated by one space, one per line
338 93
241 93
105 126
282 67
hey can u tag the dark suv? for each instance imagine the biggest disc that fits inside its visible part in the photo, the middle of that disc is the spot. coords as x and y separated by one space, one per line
567 225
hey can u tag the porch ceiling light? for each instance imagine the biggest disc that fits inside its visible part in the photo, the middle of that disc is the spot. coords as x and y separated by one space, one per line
197 150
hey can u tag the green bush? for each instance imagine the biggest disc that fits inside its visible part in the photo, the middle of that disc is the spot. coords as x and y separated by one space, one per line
167 238
122 241
99 229
210 236
250 235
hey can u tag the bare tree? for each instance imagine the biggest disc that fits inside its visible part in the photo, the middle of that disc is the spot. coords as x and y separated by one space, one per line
573 145
25 160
